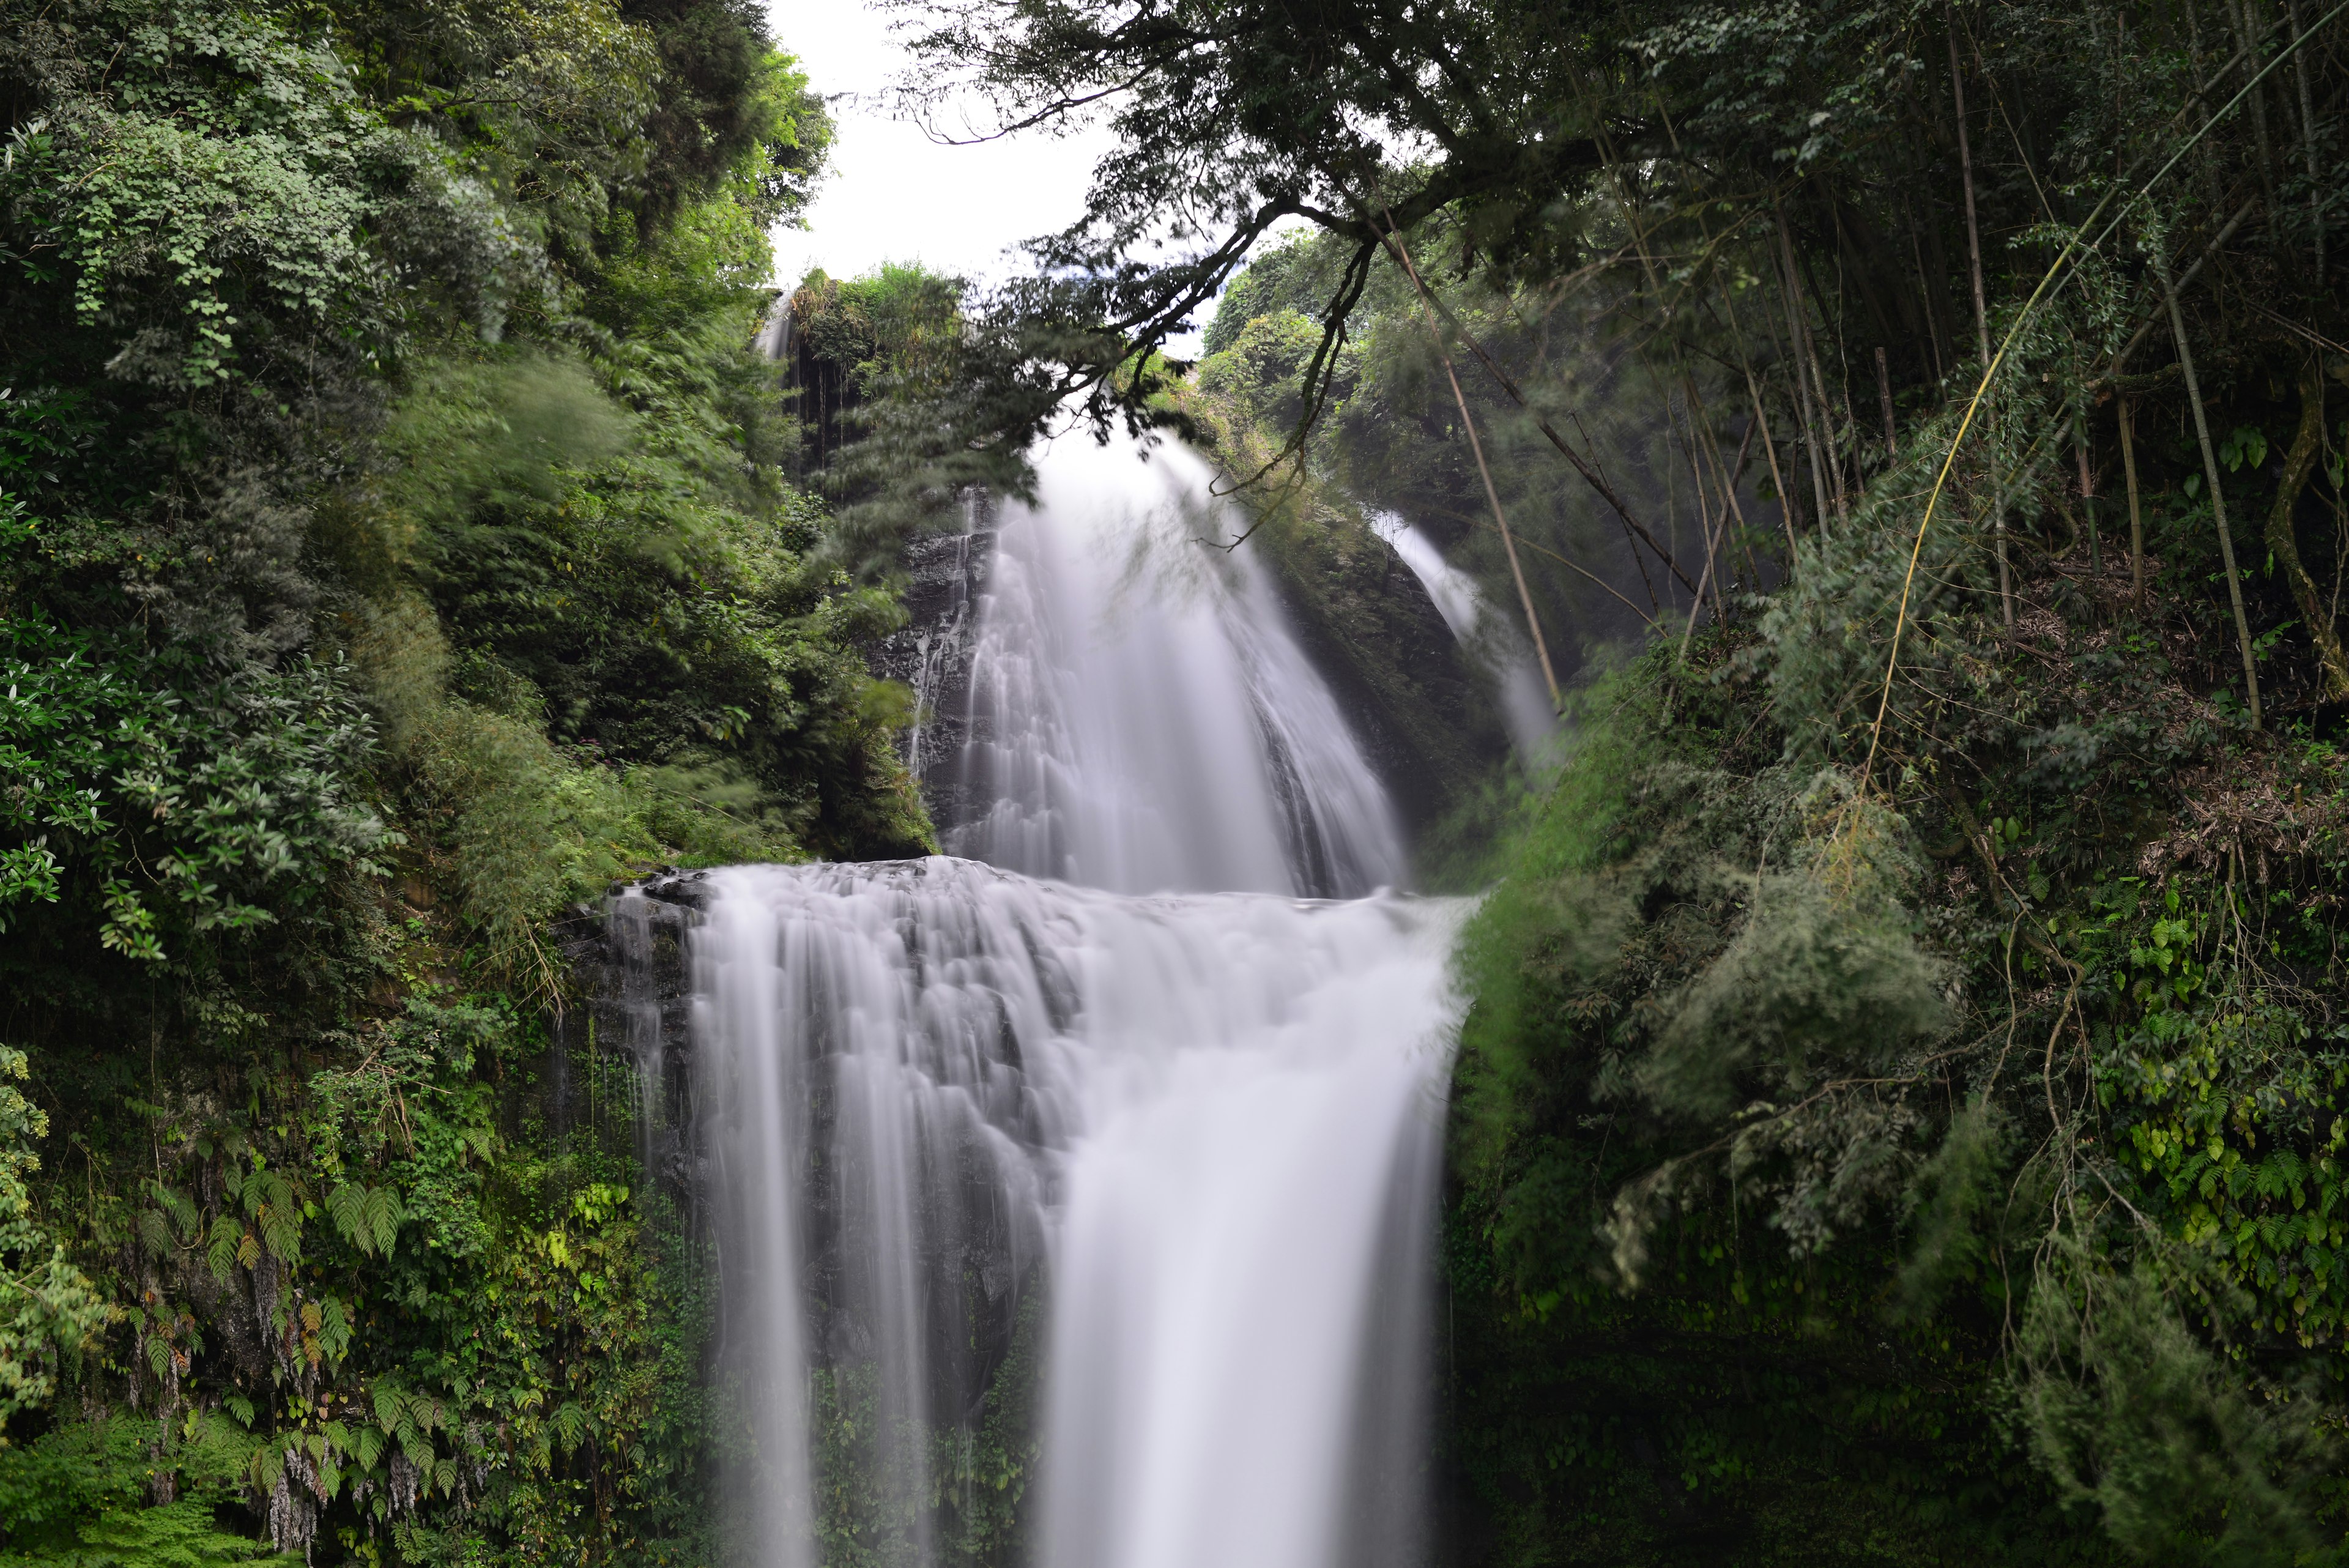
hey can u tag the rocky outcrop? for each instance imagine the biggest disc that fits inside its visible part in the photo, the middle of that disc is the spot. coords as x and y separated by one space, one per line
932 653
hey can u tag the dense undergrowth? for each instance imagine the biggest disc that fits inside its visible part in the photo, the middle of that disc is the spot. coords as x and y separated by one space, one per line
397 545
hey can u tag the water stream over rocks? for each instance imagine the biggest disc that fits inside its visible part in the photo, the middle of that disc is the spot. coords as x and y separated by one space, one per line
1073 1194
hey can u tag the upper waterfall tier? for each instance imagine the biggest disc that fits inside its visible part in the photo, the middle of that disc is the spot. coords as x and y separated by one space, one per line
1140 715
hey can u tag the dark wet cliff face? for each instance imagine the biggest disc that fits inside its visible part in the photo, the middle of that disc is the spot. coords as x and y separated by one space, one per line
1426 718
932 654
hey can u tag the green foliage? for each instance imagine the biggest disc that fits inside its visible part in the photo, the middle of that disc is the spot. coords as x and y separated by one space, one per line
48 1309
1940 912
914 393
2048 1119
395 502
2126 1406
978 1474
187 216
166 806
75 1497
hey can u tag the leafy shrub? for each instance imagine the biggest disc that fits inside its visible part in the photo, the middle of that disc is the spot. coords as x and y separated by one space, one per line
168 801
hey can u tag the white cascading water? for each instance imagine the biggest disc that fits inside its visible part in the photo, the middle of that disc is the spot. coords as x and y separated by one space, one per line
1144 721
1488 639
1141 1160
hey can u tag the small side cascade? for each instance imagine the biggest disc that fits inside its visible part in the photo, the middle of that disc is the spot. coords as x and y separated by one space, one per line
1491 641
933 653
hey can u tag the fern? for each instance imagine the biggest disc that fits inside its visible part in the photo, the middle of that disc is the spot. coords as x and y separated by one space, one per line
177 1535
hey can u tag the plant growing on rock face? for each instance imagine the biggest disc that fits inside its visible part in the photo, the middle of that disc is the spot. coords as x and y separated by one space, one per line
50 1311
433 317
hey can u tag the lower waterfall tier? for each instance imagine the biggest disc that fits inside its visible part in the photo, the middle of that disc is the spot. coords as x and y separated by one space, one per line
1117 1204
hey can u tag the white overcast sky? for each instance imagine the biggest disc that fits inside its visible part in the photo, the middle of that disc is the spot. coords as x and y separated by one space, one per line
892 194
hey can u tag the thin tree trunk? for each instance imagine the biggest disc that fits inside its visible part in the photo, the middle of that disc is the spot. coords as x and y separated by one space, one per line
2137 516
1778 477
2185 281
2308 145
1732 475
2284 544
1974 227
2204 163
1762 423
2087 492
1807 349
1981 322
1697 604
1699 446
2248 38
1581 465
1492 496
1802 387
1884 396
2210 477
1932 317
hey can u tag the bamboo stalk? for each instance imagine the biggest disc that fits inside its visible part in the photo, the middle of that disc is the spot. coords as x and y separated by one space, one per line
1932 317
1802 387
1974 227
1808 350
1884 396
1698 442
1581 465
2307 144
1697 604
1981 321
1762 423
1778 479
2185 281
1476 446
2087 490
2249 36
2210 473
2137 516
1729 475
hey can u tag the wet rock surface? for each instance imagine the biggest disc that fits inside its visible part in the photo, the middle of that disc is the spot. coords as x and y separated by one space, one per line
932 653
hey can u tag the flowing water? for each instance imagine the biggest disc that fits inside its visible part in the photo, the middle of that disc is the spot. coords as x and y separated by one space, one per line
1489 641
1142 720
1074 1194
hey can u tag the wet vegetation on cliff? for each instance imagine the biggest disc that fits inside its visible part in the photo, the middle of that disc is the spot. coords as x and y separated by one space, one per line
396 545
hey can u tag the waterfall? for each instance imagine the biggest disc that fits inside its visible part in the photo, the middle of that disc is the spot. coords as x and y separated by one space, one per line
1490 640
1073 1196
1141 718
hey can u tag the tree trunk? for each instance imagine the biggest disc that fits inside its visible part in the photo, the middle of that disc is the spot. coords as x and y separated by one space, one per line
1884 396
2298 466
2136 515
2308 147
1796 352
2210 475
2087 492
1981 322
